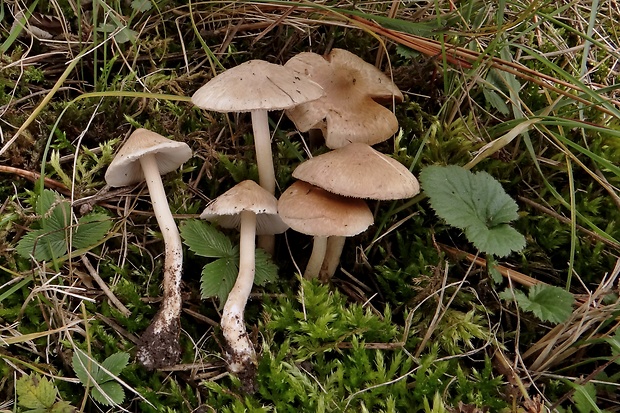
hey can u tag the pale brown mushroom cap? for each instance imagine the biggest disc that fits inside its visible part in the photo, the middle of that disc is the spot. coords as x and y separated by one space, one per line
246 196
256 85
349 111
313 211
125 168
357 170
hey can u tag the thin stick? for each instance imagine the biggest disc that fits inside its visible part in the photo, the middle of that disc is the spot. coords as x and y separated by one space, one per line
104 287
34 176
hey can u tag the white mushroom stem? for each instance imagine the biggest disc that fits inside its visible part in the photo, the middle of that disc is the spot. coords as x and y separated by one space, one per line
167 319
319 247
335 245
233 325
262 145
264 163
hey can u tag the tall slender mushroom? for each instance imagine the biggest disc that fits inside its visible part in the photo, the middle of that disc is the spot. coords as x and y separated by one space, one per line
252 210
314 211
257 87
146 156
351 109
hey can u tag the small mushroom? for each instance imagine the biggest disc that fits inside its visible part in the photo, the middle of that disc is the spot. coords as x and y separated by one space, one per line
314 211
145 157
350 111
252 210
257 87
359 171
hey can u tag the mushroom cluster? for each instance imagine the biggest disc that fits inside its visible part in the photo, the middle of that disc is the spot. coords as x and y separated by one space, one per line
340 95
351 118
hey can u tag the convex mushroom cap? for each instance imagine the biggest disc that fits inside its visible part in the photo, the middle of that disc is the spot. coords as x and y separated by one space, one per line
349 111
246 196
314 211
359 171
255 85
125 168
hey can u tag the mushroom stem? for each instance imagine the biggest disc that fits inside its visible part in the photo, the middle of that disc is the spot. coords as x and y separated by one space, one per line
335 245
159 345
242 354
319 248
262 144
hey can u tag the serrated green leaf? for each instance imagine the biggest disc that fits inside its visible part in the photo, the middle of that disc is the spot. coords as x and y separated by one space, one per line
51 240
266 271
475 203
496 276
547 302
114 364
88 372
111 393
59 218
91 229
614 342
85 369
205 240
62 407
218 278
45 201
35 392
500 240
141 5
585 398
43 244
495 84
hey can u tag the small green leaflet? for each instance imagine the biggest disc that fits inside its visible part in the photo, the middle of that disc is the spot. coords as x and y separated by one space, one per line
614 342
35 393
38 395
218 276
104 388
141 5
475 203
547 302
494 91
585 398
50 241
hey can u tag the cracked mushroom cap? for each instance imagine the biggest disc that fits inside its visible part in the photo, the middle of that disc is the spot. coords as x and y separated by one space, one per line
256 85
359 171
314 211
349 111
125 168
246 196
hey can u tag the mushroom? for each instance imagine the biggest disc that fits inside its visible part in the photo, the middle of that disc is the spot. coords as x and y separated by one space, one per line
257 87
146 156
359 171
252 210
314 211
350 110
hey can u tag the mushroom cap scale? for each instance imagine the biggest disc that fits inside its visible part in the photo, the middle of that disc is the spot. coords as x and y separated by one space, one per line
125 168
359 171
246 196
313 211
256 85
349 111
